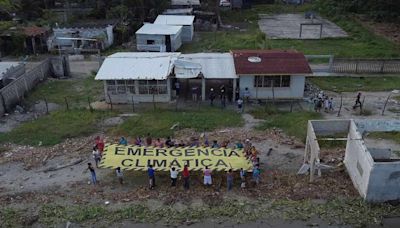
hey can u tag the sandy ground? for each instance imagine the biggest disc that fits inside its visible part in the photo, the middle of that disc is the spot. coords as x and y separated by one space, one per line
23 186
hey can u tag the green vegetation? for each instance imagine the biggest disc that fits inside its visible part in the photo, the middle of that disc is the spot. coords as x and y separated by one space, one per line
352 84
292 123
54 128
394 136
159 122
77 91
354 212
361 43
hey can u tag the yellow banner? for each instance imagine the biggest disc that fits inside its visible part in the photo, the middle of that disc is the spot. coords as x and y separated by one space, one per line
197 158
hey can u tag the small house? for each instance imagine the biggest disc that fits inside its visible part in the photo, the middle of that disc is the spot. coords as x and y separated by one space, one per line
185 21
137 77
179 4
271 74
159 38
78 38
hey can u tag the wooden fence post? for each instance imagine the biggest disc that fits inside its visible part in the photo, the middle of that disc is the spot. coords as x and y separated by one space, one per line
111 104
361 106
90 106
341 104
66 102
47 106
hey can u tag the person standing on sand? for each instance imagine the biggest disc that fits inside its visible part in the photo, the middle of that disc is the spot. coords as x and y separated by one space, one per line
96 156
92 173
186 177
229 179
120 175
207 176
152 178
174 176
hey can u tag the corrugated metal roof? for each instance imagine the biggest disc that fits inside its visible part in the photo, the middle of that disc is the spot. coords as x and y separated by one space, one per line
270 62
5 66
159 29
213 65
137 65
185 2
174 20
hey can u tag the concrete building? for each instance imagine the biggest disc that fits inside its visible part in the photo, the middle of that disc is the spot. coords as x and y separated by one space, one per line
375 172
159 38
178 4
10 71
69 39
184 20
206 71
271 74
137 77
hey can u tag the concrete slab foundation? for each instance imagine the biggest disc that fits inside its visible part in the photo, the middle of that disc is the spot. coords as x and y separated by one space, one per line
288 26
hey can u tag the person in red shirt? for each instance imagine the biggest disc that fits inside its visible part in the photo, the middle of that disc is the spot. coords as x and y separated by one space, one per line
186 175
100 144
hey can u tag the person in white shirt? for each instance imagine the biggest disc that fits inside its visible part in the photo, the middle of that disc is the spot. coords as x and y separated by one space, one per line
174 176
207 176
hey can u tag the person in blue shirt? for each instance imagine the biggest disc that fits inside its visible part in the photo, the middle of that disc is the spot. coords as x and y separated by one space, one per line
123 141
215 144
256 174
152 178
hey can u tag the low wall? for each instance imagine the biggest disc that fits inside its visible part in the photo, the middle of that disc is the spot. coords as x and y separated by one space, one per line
14 92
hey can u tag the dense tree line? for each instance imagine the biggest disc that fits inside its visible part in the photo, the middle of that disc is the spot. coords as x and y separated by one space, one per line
379 10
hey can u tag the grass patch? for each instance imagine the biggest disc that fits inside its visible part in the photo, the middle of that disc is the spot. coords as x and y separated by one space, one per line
394 136
351 84
360 43
292 123
77 91
55 127
158 123
354 212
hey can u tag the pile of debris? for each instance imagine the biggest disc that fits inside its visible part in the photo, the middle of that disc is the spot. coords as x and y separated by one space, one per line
33 157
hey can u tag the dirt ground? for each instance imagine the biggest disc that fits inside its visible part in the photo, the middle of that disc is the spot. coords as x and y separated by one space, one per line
33 176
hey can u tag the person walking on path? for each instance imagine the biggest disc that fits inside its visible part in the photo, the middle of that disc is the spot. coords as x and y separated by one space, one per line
186 176
358 101
240 104
229 179
152 178
120 175
92 173
174 176
207 176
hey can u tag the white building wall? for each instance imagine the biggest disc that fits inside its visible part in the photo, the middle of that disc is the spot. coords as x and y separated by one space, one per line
159 43
358 160
295 91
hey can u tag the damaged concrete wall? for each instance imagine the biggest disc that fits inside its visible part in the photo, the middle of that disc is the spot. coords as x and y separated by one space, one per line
330 127
384 182
377 125
358 160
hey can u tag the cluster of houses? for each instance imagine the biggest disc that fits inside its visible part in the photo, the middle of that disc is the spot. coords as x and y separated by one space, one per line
158 76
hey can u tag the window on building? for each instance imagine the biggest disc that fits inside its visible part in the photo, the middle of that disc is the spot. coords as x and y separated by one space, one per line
272 81
111 88
130 86
121 87
153 86
151 41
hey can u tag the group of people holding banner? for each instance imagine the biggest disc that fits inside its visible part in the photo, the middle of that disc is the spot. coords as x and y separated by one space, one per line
250 152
